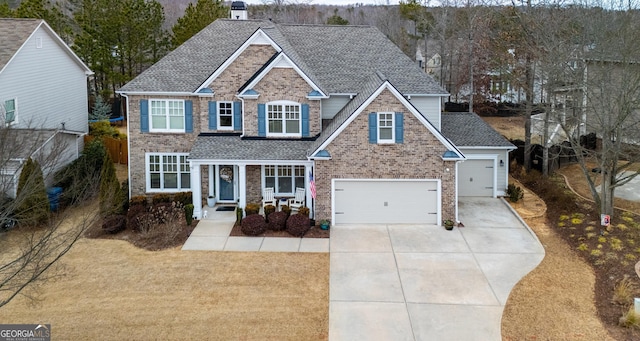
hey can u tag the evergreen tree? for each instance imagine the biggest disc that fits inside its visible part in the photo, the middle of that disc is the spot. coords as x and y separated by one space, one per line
335 19
51 13
32 194
196 18
111 198
5 10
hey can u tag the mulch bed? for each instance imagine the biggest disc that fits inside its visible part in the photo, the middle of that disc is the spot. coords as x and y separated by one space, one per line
314 232
151 241
612 252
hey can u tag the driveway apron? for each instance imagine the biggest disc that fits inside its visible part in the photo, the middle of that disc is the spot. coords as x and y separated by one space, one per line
422 282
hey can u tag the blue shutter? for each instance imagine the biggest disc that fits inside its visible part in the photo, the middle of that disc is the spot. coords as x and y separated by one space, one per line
305 120
262 123
399 127
373 127
188 116
237 116
144 115
213 116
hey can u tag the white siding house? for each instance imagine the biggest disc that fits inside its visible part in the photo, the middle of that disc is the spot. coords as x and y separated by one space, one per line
43 87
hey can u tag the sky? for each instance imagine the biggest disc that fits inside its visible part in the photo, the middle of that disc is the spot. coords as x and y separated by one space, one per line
334 2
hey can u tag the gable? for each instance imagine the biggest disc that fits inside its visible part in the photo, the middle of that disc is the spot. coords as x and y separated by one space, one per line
385 99
257 39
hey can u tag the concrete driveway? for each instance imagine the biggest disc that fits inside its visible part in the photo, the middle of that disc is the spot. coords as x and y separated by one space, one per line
422 282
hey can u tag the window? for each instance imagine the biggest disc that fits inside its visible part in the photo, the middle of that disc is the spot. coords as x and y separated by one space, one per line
225 115
284 179
385 127
167 115
10 111
168 172
283 119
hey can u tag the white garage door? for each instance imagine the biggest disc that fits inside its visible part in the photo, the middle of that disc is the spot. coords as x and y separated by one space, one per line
475 178
385 201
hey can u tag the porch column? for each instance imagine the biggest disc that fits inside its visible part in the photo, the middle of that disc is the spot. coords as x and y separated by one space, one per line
196 190
242 185
308 200
211 180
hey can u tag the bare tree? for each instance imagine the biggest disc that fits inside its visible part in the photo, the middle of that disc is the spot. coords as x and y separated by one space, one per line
30 254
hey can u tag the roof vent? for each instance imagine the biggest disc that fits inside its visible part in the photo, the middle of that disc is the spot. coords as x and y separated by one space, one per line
239 10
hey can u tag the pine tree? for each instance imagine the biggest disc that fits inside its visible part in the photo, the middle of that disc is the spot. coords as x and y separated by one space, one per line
196 18
111 198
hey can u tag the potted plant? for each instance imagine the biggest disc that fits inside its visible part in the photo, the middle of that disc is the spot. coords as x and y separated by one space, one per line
324 224
211 201
448 224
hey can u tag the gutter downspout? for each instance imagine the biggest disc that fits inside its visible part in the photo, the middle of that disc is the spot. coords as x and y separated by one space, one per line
128 144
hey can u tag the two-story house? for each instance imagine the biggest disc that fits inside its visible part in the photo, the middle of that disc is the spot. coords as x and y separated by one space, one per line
246 105
43 99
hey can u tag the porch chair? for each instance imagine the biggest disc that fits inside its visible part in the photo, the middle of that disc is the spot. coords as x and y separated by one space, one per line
268 197
298 200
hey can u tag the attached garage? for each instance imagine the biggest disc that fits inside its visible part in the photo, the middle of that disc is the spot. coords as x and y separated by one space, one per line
476 178
382 201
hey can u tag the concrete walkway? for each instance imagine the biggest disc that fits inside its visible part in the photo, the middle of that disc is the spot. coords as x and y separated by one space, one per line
212 234
413 282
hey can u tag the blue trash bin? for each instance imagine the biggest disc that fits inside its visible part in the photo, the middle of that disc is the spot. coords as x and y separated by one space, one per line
53 194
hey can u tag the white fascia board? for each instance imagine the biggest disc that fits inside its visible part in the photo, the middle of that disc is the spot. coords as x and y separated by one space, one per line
202 162
427 95
259 37
283 61
64 46
155 93
405 103
481 147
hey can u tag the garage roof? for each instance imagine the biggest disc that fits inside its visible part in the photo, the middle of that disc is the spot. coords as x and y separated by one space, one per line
469 130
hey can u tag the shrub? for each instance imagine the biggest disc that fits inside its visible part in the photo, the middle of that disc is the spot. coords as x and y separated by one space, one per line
277 221
253 225
268 210
111 196
104 128
624 291
138 200
185 198
114 224
133 216
298 225
252 209
161 198
80 178
188 213
630 319
514 192
238 215
33 203
286 209
304 211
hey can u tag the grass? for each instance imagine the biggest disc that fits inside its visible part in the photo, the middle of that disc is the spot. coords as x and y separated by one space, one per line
115 291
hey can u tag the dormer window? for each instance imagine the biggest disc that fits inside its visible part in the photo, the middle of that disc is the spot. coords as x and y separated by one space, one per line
283 119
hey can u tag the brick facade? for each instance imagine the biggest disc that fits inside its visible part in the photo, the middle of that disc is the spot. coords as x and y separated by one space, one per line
353 157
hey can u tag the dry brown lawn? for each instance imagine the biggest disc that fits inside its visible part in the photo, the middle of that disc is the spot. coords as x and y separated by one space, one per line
509 127
115 291
556 300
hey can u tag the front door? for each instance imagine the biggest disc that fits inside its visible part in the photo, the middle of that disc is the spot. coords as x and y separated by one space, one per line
226 178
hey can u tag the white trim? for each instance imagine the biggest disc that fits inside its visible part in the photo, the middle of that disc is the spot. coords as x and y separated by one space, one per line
282 104
406 104
283 61
220 127
157 93
392 140
259 37
438 186
15 111
249 162
168 129
147 173
480 147
428 95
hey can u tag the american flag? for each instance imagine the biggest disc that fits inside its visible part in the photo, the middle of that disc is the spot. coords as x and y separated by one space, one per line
312 185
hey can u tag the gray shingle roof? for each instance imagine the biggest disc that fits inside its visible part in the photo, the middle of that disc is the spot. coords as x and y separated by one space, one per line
469 130
337 58
13 34
217 147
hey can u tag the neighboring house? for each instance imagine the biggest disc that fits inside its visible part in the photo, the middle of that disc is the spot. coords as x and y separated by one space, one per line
246 104
43 99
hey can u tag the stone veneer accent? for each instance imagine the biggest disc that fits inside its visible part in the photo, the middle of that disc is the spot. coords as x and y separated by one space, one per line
419 157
